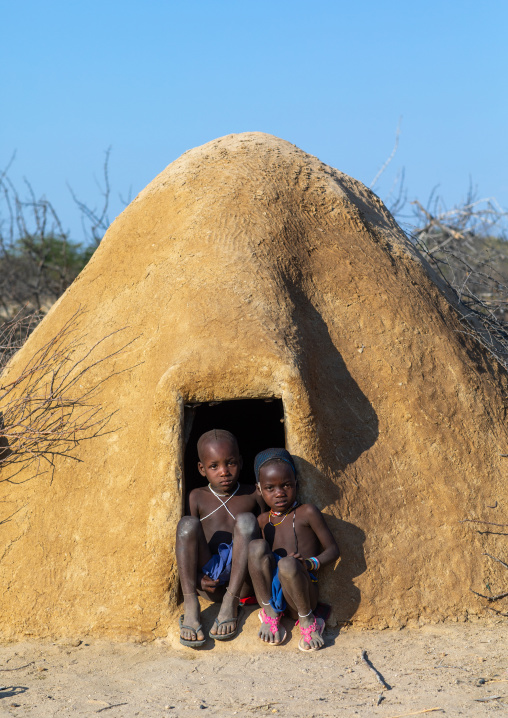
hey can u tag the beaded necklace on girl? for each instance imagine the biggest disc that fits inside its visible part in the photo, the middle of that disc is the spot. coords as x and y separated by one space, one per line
282 513
312 563
285 514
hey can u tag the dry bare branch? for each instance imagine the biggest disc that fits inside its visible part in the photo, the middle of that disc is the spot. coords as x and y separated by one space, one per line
479 521
498 596
390 158
465 245
38 259
45 410
494 558
499 613
95 221
490 598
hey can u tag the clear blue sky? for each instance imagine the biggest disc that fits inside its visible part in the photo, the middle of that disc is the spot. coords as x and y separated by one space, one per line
154 79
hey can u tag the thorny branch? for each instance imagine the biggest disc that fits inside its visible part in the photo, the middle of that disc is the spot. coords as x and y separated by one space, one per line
46 408
499 596
466 245
467 248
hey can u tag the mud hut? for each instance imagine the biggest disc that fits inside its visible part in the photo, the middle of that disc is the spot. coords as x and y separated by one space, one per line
265 292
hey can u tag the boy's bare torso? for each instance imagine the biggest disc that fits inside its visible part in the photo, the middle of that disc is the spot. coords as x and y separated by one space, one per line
218 526
281 537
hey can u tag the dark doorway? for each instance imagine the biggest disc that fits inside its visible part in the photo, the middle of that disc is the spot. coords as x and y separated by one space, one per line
256 423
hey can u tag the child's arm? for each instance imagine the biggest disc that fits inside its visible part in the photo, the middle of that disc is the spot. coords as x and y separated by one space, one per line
261 503
193 503
317 523
262 521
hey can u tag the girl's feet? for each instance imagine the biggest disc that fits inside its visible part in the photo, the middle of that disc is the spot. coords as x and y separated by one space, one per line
311 630
271 631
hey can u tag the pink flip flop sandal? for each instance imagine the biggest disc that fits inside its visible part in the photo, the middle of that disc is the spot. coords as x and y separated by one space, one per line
317 625
275 626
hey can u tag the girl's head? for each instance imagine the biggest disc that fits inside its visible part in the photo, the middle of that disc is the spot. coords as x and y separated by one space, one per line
276 478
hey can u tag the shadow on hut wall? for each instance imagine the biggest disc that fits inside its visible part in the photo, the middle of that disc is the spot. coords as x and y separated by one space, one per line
346 422
346 425
337 584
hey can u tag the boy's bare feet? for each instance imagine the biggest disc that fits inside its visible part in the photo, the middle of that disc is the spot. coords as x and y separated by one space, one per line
270 631
190 628
226 623
311 629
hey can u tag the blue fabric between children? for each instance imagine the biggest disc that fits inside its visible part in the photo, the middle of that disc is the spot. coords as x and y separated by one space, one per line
219 566
277 601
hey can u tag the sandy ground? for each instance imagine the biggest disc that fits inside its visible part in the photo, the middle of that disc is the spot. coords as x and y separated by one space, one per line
460 669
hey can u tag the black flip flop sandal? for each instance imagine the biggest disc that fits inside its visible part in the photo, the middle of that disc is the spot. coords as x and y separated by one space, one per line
227 636
184 641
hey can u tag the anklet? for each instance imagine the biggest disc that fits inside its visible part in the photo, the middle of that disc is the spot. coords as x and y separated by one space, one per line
232 594
307 614
265 604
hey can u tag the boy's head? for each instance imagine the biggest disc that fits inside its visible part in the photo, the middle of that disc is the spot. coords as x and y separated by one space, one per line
276 478
219 459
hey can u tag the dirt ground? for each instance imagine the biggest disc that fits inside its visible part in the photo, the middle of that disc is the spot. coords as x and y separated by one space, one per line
460 669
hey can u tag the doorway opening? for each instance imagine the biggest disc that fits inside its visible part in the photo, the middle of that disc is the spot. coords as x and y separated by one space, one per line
257 424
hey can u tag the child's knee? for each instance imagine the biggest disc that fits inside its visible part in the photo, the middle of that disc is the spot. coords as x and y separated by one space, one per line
246 524
288 567
257 549
187 526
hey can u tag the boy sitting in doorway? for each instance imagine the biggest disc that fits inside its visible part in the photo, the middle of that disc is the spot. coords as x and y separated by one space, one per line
283 564
212 543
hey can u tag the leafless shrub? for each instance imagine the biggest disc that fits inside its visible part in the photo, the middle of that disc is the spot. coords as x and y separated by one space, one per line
13 335
38 258
45 412
95 220
466 246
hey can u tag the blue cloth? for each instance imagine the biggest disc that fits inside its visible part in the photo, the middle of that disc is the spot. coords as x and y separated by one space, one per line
277 601
268 454
219 566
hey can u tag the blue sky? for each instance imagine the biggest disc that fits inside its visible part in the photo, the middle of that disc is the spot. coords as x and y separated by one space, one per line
154 79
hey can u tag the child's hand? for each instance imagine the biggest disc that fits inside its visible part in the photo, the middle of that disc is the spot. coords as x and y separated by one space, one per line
298 556
209 584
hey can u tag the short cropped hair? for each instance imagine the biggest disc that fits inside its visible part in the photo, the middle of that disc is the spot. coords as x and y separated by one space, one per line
214 436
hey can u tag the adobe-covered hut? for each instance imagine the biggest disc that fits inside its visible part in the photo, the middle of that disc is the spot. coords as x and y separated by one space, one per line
249 270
